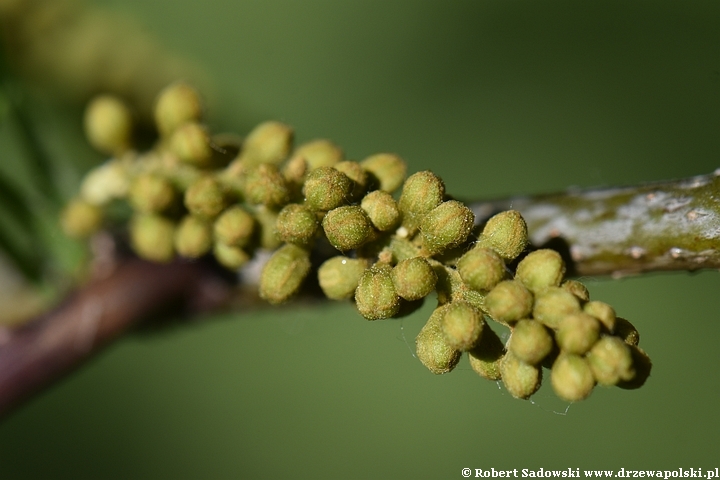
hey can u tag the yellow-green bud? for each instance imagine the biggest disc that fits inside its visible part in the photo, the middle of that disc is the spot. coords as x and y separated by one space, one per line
347 227
382 209
506 233
553 305
571 377
520 379
431 347
486 356
269 142
105 183
191 143
414 278
265 185
422 192
178 103
354 172
530 341
462 325
375 296
388 169
340 276
151 193
234 227
603 312
108 124
152 237
446 226
297 224
642 366
610 360
627 331
284 273
81 219
193 237
509 301
541 269
230 256
267 223
481 268
577 288
319 153
326 188
206 197
577 333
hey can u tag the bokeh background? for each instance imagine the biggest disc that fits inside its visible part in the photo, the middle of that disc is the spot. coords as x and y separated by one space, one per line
498 98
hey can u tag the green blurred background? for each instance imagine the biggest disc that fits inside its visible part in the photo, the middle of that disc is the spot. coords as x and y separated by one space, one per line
498 98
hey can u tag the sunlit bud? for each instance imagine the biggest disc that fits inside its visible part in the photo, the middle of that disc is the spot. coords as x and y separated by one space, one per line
571 377
326 188
553 305
642 366
541 269
177 104
520 379
267 224
339 276
431 347
151 193
152 237
265 185
347 227
509 301
578 289
108 125
603 312
191 143
375 296
382 209
446 226
610 360
481 268
530 341
462 325
506 233
297 224
577 333
414 278
422 192
193 237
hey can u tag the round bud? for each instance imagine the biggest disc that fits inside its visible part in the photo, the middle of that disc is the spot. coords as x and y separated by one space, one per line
431 347
354 172
611 361
487 354
530 341
627 331
481 268
269 142
506 233
577 333
234 227
265 185
388 169
382 209
105 183
421 192
80 219
541 269
151 193
152 237
462 325
319 153
347 227
603 312
414 278
284 273
297 224
553 305
191 143
446 226
572 378
108 124
193 237
340 276
519 378
326 188
375 296
177 104
509 301
206 197
230 256
578 289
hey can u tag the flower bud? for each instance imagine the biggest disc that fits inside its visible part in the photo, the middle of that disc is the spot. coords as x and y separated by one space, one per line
267 224
506 233
151 193
81 219
520 379
487 354
382 209
577 333
191 143
610 360
206 197
297 224
339 276
446 226
462 325
265 185
347 227
576 288
193 237
319 153
481 268
108 124
530 341
152 237
375 296
231 257
388 169
234 227
359 177
627 331
603 312
421 192
553 305
541 269
284 273
105 183
642 366
509 301
414 278
269 142
432 348
178 103
572 378
326 188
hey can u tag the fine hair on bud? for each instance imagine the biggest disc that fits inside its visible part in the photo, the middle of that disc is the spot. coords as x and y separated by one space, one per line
284 273
265 185
603 312
571 377
506 233
541 269
339 276
375 296
486 355
357 174
530 341
481 268
297 224
347 227
520 379
577 288
421 192
382 209
577 333
446 226
553 305
462 324
326 188
414 278
431 347
509 301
